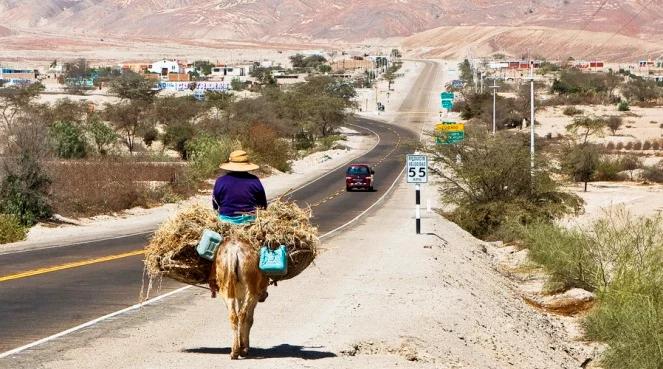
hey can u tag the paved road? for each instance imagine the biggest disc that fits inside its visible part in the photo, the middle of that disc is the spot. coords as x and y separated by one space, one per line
37 306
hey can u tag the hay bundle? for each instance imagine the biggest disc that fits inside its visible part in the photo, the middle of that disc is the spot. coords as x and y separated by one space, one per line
172 250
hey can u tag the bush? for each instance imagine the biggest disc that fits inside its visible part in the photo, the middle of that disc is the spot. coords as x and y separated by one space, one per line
614 123
206 153
646 145
623 106
610 146
11 229
69 140
608 169
268 148
629 253
571 111
629 145
620 146
491 185
655 145
653 173
329 142
23 192
637 145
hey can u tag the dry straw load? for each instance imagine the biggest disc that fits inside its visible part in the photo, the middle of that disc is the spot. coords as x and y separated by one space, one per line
172 250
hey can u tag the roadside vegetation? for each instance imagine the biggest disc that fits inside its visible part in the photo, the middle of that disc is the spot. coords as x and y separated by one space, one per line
71 159
619 257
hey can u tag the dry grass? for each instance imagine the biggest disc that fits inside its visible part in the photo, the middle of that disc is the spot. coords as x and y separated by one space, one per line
91 187
171 252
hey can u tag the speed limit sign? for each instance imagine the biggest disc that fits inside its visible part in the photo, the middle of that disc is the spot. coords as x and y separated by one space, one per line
417 169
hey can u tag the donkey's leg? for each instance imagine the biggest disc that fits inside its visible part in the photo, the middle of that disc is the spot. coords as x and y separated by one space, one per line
246 322
233 317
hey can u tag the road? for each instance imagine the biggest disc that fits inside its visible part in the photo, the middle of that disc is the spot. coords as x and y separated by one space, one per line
81 287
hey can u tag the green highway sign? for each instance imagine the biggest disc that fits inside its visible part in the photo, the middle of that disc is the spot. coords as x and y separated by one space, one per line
447 96
447 104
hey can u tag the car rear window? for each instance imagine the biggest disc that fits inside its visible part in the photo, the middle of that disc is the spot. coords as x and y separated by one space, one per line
358 170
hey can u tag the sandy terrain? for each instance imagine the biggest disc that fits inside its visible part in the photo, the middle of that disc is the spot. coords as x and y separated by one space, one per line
639 124
364 305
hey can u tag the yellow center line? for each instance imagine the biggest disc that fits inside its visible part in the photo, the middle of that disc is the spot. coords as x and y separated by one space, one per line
75 264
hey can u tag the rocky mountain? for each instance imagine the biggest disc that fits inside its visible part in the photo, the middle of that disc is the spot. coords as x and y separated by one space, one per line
348 20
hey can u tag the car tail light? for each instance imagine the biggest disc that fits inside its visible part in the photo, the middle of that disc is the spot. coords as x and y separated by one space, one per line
348 177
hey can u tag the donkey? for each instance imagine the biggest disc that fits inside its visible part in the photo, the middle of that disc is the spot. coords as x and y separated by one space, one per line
236 275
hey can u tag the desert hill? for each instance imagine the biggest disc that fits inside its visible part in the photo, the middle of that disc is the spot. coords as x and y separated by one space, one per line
346 21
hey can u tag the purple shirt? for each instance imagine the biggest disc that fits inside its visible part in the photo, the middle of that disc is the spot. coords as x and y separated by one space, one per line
238 193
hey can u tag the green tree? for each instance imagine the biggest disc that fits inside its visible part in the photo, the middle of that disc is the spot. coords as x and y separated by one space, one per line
466 73
584 127
236 84
69 140
129 119
132 86
581 162
102 135
177 136
204 66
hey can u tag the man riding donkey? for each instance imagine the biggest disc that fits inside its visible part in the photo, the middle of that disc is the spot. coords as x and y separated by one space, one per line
236 197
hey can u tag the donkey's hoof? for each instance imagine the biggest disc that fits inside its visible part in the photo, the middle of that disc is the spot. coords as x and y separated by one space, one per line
234 356
244 352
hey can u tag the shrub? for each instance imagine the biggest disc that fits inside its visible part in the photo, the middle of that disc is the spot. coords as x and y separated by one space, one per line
23 192
328 143
637 145
646 145
206 153
102 135
623 106
149 136
177 136
655 145
629 252
620 146
653 173
268 148
69 140
580 162
571 111
490 184
11 229
629 145
614 123
610 146
608 169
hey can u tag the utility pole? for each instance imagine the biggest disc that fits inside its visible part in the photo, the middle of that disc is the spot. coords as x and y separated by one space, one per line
531 122
494 87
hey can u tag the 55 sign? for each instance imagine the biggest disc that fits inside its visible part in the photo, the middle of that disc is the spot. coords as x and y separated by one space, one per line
417 168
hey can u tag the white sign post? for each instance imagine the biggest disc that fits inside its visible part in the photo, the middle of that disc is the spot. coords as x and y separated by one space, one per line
417 173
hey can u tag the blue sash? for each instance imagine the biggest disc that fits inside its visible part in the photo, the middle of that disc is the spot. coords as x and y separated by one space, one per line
243 219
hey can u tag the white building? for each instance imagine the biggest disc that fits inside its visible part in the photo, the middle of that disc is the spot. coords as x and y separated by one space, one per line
231 72
163 67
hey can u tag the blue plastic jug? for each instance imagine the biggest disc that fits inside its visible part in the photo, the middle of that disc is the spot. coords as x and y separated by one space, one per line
208 244
274 262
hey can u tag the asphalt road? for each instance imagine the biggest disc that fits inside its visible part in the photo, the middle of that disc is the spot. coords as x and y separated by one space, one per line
36 306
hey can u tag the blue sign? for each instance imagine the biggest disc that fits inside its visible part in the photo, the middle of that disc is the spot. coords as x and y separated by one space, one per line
447 104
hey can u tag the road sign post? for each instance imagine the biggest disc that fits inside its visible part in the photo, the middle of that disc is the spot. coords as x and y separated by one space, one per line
417 173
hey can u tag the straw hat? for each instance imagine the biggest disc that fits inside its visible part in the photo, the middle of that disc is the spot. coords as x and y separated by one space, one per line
239 162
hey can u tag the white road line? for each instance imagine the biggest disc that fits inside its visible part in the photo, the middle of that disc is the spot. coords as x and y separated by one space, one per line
155 299
90 323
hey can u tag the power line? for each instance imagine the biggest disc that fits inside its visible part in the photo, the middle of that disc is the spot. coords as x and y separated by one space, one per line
584 28
622 27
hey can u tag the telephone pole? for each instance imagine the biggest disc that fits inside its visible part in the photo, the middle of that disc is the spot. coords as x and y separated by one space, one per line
494 87
531 122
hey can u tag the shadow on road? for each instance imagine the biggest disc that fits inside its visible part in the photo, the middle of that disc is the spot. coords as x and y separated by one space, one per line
280 351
